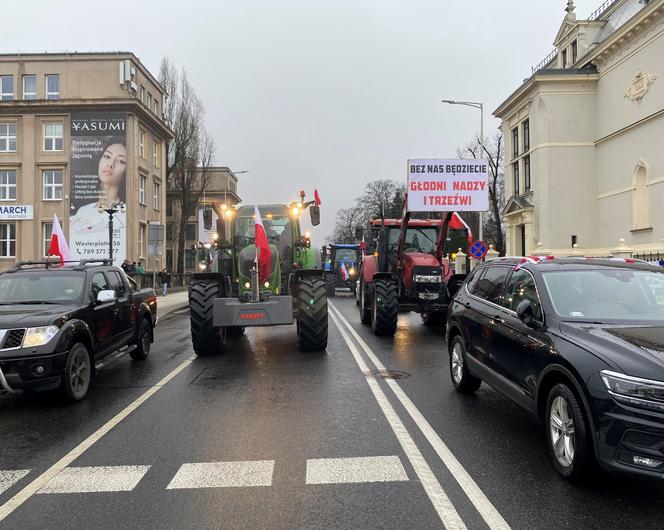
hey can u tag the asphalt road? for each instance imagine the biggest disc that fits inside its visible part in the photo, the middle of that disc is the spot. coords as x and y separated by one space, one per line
267 437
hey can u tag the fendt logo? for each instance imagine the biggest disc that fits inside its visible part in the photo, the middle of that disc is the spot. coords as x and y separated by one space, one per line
252 316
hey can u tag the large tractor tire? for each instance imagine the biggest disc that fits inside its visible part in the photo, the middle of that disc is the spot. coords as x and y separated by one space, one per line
384 307
206 339
330 281
312 319
365 303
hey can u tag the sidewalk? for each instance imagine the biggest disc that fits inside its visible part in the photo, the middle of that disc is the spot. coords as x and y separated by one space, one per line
171 302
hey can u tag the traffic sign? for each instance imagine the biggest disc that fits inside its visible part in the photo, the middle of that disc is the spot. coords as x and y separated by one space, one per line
478 249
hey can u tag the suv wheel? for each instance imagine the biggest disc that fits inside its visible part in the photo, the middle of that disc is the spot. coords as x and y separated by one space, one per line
567 433
462 379
77 375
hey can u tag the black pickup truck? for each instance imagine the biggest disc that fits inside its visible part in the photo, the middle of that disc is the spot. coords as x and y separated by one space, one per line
58 322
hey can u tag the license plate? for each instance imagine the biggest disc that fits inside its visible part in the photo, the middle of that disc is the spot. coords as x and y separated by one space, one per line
428 296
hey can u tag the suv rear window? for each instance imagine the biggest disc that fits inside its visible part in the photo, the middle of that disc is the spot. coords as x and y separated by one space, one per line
490 285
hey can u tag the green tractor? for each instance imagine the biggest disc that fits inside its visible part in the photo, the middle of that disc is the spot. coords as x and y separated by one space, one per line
227 296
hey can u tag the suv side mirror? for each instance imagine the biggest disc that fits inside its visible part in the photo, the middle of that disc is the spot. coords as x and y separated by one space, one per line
106 296
526 314
314 213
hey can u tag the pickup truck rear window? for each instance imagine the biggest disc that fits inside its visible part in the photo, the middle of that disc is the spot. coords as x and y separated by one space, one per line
38 287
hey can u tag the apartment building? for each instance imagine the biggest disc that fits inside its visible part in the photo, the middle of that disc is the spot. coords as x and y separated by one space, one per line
81 134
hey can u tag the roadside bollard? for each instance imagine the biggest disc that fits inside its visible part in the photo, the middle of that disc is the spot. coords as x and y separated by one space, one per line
492 253
460 263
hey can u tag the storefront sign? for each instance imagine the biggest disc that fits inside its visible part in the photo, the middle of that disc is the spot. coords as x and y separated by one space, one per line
15 211
448 185
98 163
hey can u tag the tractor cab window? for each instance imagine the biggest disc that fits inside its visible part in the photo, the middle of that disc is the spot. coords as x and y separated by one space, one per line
347 255
277 228
418 239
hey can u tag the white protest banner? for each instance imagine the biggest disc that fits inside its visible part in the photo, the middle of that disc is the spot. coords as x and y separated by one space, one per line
445 185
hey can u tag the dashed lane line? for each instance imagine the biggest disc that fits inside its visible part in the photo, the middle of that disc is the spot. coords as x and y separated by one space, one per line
33 487
9 477
223 475
355 470
483 505
444 508
95 479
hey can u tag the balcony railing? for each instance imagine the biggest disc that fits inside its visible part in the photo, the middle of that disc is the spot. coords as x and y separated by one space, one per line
601 9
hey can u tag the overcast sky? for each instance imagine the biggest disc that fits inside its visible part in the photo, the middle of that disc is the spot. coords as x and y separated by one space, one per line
306 93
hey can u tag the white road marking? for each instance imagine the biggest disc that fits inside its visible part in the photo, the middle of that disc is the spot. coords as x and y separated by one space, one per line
441 503
9 477
483 505
95 479
223 475
34 486
355 470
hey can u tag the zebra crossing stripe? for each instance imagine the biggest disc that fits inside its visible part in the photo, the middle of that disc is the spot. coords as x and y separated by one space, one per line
223 475
95 479
9 477
355 470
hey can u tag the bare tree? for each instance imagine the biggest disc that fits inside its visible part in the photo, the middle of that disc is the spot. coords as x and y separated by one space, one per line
493 152
378 198
347 220
190 153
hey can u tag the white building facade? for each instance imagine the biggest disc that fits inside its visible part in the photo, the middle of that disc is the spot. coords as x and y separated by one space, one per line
584 138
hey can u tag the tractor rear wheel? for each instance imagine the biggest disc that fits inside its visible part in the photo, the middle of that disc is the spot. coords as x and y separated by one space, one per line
384 307
206 339
330 280
312 319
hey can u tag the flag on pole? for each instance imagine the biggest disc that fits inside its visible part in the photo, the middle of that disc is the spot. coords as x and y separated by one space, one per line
58 245
263 254
457 223
344 272
316 198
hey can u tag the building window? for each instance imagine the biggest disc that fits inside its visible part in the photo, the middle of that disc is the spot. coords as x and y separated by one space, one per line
526 136
8 240
149 101
52 185
53 136
156 106
564 58
142 182
526 173
8 185
169 233
156 192
53 86
6 87
142 94
190 232
515 142
47 231
575 52
7 137
30 86
189 259
141 241
156 153
515 176
141 144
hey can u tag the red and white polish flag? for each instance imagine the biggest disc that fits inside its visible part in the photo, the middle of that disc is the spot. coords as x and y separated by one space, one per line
344 272
263 254
59 246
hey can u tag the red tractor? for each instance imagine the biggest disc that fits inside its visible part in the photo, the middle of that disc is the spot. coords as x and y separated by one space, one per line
406 272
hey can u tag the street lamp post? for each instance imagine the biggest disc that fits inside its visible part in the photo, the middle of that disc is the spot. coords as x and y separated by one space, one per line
114 208
480 106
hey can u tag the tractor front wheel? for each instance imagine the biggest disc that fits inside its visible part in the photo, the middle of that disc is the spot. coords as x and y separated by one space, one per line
330 281
312 318
206 339
384 307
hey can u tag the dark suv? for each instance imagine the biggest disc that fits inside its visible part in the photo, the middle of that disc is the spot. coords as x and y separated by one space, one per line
580 344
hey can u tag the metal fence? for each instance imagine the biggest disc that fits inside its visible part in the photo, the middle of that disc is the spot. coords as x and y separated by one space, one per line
148 279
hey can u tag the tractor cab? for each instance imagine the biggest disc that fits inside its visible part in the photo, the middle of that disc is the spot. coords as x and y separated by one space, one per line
341 265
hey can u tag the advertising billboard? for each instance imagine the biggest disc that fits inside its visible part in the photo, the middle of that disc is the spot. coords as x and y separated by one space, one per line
206 236
442 185
98 181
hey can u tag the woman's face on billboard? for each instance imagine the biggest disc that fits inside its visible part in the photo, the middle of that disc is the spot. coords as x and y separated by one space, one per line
113 165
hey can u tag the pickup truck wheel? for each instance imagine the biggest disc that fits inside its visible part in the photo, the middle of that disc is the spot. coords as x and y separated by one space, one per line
143 341
384 308
206 339
77 374
312 319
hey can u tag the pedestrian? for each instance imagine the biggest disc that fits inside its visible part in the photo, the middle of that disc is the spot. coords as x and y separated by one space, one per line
139 268
132 268
125 266
164 279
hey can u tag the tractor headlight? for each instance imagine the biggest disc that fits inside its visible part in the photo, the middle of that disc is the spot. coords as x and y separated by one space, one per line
352 271
39 336
428 278
266 285
247 285
634 391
